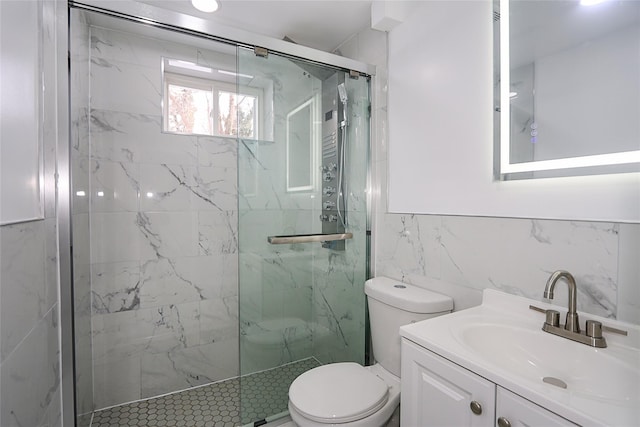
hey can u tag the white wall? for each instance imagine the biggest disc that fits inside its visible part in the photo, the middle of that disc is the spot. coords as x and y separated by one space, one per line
440 128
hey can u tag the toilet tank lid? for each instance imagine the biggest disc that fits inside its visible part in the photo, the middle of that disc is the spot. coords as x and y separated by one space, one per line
407 297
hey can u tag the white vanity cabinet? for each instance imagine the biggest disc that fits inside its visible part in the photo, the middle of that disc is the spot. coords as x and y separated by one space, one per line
437 392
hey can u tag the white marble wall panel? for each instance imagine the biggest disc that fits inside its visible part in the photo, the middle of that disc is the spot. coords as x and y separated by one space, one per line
184 368
115 287
218 319
214 188
177 280
24 298
164 254
116 237
218 232
217 151
31 376
129 88
513 255
168 234
629 274
116 381
134 137
114 186
165 187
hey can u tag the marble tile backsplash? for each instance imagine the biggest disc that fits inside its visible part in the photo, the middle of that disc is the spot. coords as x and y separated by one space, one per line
469 254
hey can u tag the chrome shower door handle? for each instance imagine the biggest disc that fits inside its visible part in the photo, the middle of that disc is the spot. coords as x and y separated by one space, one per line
308 238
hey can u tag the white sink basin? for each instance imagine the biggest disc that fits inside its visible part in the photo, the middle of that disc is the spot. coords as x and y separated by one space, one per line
538 355
502 340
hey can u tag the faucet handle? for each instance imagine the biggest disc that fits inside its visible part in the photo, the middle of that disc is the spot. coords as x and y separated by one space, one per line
552 318
594 329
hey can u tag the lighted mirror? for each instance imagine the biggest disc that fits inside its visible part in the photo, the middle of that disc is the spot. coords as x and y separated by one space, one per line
301 144
568 87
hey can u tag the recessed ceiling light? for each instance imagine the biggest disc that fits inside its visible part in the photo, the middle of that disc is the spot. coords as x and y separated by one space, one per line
208 6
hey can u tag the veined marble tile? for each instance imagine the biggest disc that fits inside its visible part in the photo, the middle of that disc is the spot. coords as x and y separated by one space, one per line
218 319
408 244
118 236
217 151
215 188
170 281
218 232
115 287
126 87
518 256
131 137
81 185
629 274
122 335
24 296
116 381
114 186
81 244
165 187
167 234
181 369
30 375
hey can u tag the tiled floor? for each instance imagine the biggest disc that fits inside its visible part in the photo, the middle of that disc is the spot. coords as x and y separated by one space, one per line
215 405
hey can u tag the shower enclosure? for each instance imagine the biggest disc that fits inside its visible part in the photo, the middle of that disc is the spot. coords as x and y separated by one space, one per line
219 218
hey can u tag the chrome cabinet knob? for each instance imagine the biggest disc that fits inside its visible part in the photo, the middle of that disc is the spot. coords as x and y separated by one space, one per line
503 422
476 407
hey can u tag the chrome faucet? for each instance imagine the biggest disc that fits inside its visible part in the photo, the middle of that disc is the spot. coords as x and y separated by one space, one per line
572 324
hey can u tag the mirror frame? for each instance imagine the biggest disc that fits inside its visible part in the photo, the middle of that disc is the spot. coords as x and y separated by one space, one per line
620 162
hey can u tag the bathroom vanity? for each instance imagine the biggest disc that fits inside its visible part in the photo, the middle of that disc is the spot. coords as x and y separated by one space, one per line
493 365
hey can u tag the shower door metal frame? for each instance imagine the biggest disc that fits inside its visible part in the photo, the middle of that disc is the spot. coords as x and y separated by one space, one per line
151 15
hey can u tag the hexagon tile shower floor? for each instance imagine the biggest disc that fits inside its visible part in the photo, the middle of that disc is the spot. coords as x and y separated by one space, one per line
214 405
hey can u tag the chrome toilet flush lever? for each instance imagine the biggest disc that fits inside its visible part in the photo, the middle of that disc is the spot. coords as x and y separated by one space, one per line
592 335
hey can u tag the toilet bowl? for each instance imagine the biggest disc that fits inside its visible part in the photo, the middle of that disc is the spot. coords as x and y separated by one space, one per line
349 395
352 395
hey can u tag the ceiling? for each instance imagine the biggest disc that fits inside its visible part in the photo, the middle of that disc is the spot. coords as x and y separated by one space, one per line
320 24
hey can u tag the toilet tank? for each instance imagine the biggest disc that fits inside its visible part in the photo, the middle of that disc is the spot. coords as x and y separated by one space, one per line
393 304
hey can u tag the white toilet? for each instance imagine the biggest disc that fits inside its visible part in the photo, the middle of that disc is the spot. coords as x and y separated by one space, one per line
350 395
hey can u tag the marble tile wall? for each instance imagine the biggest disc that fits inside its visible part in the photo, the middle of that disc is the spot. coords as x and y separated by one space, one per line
29 306
461 256
163 225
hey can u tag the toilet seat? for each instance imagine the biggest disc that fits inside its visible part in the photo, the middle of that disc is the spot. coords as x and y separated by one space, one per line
338 393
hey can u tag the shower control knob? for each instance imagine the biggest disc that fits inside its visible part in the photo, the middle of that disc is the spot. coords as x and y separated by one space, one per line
324 218
333 218
328 176
333 167
327 206
328 191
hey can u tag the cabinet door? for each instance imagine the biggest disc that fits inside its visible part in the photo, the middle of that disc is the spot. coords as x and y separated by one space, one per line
437 392
516 411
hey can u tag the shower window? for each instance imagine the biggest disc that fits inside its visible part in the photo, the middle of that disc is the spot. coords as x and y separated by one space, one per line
201 106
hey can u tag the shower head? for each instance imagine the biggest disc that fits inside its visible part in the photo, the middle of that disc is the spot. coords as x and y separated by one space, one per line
342 91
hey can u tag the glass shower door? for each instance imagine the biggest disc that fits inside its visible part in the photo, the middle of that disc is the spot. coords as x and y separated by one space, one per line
303 173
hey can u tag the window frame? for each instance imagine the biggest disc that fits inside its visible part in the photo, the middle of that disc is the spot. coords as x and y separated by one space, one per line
215 87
